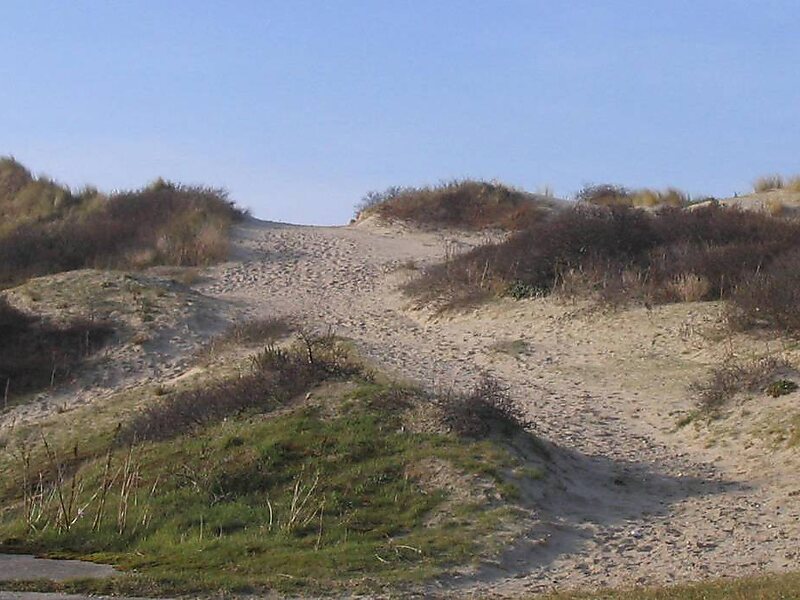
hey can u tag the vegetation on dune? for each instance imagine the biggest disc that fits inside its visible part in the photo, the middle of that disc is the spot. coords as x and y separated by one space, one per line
619 254
463 204
755 376
35 353
768 183
48 229
617 195
327 492
28 199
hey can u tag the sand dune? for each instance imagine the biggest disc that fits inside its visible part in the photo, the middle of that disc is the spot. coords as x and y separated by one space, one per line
638 500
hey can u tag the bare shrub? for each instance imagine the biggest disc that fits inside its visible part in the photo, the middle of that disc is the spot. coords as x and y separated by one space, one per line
735 376
770 297
486 408
276 376
464 204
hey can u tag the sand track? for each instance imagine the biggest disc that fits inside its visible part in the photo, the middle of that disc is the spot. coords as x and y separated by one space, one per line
633 501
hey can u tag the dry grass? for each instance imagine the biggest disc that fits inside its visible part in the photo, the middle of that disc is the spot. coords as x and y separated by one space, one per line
464 204
615 195
690 288
162 224
768 183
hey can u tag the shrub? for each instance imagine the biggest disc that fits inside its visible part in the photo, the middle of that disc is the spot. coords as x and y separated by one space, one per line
733 377
35 354
616 195
486 408
618 253
464 204
781 387
275 377
769 298
162 224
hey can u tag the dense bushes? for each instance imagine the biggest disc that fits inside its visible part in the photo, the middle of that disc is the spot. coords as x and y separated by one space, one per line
770 298
619 253
461 204
35 353
161 224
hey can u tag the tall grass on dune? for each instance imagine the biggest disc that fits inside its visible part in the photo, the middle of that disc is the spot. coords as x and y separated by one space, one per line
616 195
768 183
164 223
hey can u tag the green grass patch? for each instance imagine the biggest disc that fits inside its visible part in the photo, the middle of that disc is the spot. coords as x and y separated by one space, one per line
784 586
301 500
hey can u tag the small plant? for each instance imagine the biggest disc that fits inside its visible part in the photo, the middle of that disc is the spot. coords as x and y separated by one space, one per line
485 408
781 387
519 290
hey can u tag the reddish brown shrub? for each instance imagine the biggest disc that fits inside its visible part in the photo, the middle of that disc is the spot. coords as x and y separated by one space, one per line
619 253
459 204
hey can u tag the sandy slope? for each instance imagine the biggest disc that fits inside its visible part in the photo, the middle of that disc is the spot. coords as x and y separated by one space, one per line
630 499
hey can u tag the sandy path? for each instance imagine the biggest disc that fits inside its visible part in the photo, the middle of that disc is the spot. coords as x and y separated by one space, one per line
632 501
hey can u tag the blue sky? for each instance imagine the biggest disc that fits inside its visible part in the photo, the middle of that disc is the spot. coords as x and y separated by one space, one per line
299 107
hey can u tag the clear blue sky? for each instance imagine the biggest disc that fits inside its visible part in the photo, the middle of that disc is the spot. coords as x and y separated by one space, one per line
299 107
